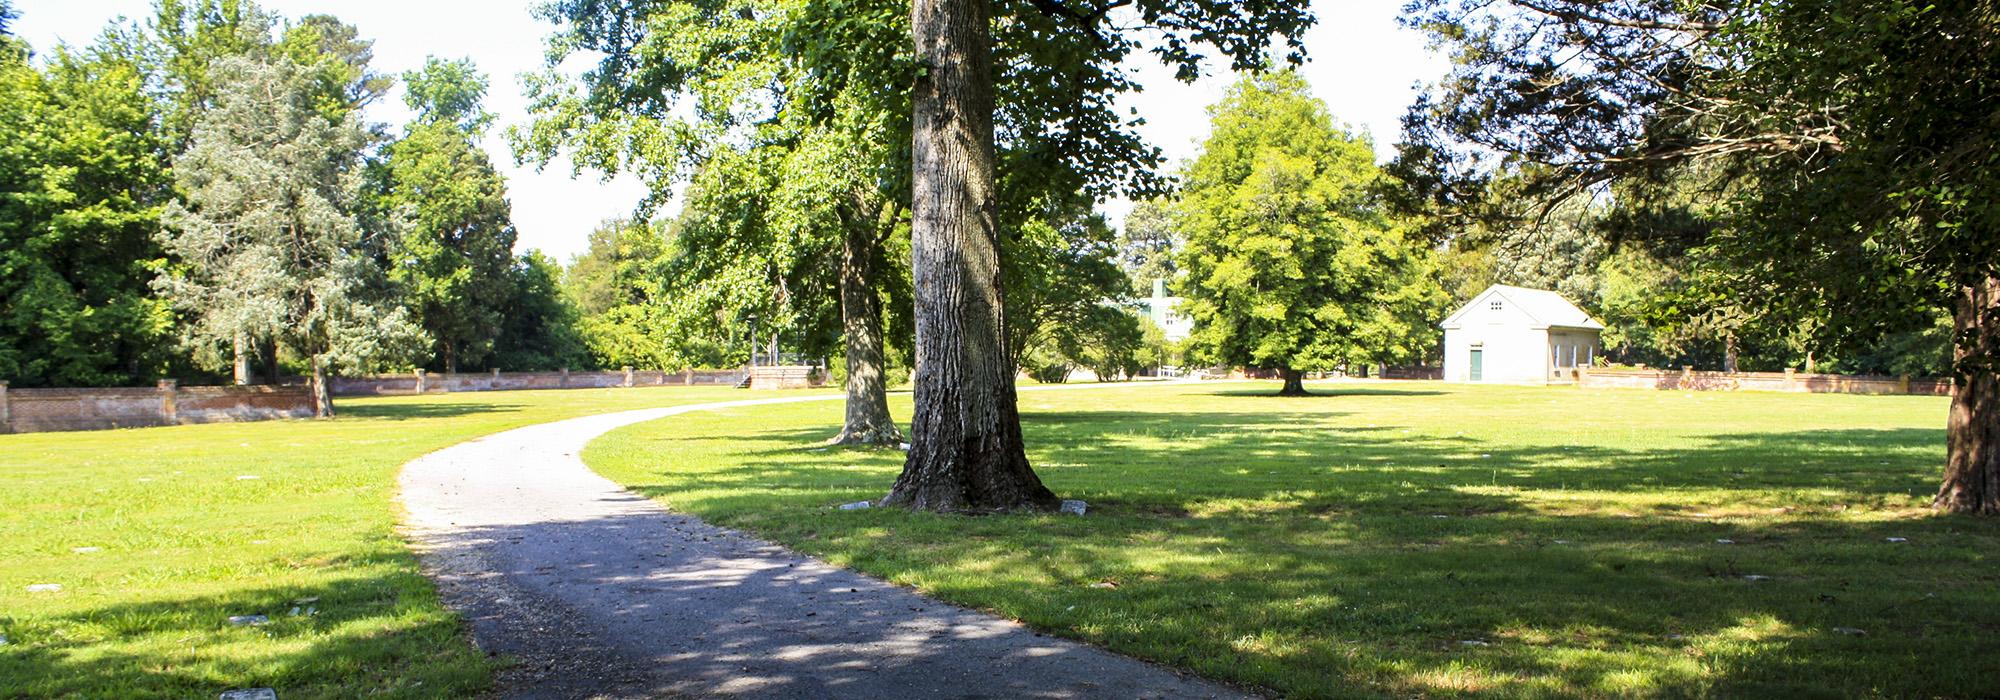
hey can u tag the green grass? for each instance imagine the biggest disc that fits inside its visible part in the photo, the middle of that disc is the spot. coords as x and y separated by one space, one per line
1350 545
185 543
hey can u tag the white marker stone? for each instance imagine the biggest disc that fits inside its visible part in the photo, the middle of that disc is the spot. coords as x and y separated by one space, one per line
85 550
246 477
250 694
1851 631
1725 541
44 587
857 505
250 620
1899 539
1074 507
1756 577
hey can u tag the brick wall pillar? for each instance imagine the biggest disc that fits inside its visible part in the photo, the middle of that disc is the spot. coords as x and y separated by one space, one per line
1687 376
6 412
1791 379
496 373
1903 384
168 409
565 377
687 376
628 375
423 382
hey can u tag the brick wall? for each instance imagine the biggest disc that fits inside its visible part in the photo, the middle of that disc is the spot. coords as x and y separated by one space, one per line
1596 378
424 382
41 410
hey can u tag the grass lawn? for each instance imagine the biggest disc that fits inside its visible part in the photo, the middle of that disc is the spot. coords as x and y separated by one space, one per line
195 524
1398 539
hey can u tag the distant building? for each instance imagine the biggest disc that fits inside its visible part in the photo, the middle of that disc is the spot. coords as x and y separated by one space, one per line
1517 335
1160 310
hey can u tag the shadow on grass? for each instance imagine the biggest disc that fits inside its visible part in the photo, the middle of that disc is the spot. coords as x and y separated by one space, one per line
410 411
366 635
1270 549
1314 390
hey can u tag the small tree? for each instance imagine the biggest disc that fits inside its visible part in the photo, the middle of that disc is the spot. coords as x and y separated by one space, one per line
267 241
1290 260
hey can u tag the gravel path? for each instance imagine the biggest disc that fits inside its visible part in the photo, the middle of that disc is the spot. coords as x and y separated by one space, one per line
599 592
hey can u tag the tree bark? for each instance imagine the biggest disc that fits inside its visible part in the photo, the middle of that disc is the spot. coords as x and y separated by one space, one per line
1295 382
966 450
1972 433
322 397
240 350
1729 353
271 373
868 421
450 358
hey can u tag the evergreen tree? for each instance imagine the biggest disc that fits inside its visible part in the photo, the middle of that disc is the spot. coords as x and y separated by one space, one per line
267 239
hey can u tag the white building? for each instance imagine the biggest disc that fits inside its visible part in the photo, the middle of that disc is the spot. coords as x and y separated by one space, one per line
1160 309
1518 335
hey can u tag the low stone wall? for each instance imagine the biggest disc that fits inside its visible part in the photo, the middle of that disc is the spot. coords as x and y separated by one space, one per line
41 410
1689 380
427 383
785 377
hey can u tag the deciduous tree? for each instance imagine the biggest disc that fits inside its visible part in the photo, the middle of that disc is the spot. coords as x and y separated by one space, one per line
1291 260
1859 133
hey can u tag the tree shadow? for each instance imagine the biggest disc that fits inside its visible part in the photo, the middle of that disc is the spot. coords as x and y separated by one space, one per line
1318 390
413 411
366 634
1270 549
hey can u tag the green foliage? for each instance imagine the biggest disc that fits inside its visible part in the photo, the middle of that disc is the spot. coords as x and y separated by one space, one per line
453 259
539 330
266 242
1147 245
448 91
1290 260
81 183
1845 146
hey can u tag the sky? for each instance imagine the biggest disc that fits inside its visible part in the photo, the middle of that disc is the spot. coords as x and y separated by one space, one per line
1363 64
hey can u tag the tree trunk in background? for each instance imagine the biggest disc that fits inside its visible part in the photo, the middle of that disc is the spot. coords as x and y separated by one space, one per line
450 359
966 452
322 397
271 373
1972 433
868 421
239 347
1295 382
1729 353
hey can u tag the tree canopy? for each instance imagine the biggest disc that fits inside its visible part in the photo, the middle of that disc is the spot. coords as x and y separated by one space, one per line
1291 260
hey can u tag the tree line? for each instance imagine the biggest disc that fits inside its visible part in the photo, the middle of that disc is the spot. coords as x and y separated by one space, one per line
197 195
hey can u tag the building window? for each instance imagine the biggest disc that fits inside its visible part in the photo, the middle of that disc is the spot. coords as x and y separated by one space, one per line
1495 305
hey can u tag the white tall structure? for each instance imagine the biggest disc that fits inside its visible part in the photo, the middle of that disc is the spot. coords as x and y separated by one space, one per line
1516 335
1160 309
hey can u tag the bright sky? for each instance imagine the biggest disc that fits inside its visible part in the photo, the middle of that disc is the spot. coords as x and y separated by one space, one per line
1364 65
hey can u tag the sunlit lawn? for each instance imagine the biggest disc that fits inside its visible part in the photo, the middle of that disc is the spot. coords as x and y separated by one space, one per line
1416 538
195 524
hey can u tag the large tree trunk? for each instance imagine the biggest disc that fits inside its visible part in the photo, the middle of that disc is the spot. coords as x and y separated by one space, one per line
240 349
868 421
1295 382
450 358
1972 433
322 397
966 452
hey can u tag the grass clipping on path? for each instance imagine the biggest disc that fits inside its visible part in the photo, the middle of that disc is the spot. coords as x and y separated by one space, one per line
1418 538
157 536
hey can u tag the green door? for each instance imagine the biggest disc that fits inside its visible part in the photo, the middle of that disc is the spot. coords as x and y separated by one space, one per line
1478 363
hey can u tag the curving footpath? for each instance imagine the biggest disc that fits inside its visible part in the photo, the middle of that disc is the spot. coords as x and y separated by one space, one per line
599 592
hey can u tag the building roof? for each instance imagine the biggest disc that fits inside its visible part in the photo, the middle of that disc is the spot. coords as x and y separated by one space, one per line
1546 308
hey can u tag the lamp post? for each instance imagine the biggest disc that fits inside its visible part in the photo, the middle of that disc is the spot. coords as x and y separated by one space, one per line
752 319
